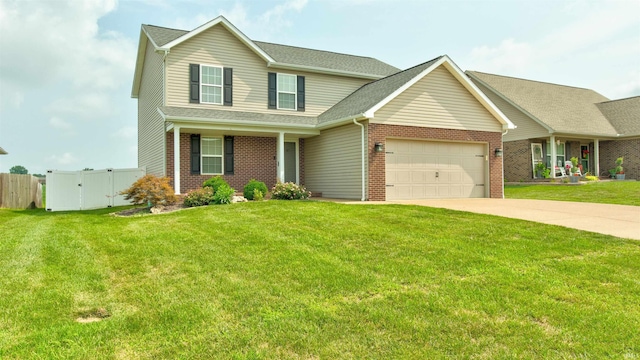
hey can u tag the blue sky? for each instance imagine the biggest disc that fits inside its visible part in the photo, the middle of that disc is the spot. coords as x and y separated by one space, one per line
66 67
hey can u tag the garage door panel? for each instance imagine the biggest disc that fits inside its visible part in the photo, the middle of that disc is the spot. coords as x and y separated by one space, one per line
412 166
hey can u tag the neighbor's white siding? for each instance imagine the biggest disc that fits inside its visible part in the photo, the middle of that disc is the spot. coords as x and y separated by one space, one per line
439 101
333 162
526 128
217 46
151 128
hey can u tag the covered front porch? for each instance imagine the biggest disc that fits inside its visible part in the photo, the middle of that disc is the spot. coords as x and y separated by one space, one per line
196 153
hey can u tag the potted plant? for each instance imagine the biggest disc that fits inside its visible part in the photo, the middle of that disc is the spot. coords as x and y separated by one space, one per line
542 171
575 171
619 170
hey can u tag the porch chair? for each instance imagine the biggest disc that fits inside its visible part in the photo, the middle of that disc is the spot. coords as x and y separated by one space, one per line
569 165
560 171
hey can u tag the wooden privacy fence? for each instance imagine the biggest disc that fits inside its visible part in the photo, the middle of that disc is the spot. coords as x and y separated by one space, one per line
20 191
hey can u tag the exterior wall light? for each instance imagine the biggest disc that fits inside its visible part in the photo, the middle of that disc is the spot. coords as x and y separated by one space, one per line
498 152
379 147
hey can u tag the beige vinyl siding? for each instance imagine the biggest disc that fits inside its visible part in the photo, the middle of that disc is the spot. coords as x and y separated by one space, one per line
526 128
217 46
333 162
151 128
439 101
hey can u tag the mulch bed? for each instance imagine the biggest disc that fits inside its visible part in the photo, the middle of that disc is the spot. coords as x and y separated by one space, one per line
145 210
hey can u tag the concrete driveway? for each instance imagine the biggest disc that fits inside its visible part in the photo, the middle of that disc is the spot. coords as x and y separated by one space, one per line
617 220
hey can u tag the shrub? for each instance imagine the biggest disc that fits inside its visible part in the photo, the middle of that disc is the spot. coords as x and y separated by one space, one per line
252 185
199 197
258 195
223 195
151 190
289 191
215 183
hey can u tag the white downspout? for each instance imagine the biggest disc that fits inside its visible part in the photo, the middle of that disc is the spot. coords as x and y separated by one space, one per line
363 155
503 134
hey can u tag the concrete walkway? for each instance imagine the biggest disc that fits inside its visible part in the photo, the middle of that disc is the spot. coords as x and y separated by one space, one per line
617 220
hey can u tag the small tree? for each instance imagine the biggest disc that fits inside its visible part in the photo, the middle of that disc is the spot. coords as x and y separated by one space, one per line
151 190
18 169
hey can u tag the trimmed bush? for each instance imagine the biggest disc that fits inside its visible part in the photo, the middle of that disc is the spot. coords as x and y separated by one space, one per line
199 197
223 195
289 191
215 183
257 195
151 190
252 185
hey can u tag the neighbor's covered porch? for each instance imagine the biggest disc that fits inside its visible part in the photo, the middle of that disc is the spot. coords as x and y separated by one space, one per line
555 151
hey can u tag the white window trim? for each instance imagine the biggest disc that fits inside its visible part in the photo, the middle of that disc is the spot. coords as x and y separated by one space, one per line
221 86
564 155
221 156
295 92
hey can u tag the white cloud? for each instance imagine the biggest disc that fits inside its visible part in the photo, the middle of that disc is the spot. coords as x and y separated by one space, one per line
594 34
266 24
58 123
64 159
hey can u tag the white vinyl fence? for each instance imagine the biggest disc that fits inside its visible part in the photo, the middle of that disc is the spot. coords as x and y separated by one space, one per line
84 190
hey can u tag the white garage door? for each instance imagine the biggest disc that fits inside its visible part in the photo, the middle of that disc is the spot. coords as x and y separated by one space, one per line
434 170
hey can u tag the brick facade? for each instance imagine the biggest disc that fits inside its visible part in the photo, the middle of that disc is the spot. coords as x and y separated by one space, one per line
517 161
629 149
380 132
254 158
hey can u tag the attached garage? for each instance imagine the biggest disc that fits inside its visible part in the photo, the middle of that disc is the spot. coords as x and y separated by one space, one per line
418 169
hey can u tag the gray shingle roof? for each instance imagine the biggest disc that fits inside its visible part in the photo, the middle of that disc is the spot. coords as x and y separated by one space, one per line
3 152
295 55
161 35
624 115
563 108
239 116
371 94
326 59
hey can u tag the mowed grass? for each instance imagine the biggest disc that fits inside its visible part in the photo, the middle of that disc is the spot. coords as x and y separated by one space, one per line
313 280
604 192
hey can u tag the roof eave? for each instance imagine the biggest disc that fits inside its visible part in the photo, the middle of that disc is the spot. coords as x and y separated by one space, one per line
137 74
320 70
229 26
166 117
341 121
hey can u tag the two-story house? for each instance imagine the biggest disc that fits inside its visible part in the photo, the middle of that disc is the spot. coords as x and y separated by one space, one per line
211 101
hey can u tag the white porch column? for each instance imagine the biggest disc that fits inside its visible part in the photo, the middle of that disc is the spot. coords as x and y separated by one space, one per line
552 143
176 159
596 156
280 152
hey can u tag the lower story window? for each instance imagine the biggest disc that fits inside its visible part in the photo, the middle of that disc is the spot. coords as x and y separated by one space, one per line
211 156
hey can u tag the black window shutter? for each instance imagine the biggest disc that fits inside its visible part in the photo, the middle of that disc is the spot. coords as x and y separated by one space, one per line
272 90
300 93
228 86
195 154
194 83
228 155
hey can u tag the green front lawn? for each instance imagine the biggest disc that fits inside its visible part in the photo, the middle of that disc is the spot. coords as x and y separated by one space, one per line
605 192
301 280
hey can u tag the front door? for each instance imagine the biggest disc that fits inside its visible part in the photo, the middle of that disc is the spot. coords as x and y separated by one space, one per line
290 163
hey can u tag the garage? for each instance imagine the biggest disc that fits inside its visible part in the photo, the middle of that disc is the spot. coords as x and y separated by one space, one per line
418 169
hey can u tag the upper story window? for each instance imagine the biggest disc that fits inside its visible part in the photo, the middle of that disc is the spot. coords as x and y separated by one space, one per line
287 91
211 84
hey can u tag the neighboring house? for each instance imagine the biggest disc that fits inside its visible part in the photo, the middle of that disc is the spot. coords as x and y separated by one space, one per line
3 152
579 122
213 102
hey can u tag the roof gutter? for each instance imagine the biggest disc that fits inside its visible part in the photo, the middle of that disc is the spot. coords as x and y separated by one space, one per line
341 121
277 65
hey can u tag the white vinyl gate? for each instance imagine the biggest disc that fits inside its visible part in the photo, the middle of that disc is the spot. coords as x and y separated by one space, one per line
84 190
